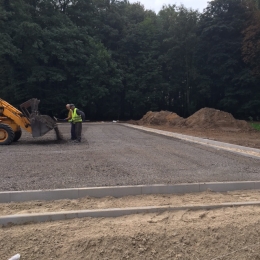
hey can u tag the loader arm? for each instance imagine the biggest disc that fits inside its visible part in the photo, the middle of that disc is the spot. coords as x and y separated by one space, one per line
13 116
30 119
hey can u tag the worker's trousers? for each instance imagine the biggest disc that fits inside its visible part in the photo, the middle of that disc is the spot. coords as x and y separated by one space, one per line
72 132
78 130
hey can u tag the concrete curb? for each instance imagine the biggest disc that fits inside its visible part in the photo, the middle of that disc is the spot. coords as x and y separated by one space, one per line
117 212
121 191
246 151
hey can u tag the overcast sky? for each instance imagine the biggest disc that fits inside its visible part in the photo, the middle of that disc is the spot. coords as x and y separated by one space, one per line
156 5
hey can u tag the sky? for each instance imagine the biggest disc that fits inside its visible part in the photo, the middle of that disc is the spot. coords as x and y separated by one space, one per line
156 5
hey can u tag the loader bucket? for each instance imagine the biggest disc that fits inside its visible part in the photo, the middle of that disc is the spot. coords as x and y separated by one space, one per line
41 124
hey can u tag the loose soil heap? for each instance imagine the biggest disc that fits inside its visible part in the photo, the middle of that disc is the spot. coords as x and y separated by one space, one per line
205 118
210 118
59 135
160 118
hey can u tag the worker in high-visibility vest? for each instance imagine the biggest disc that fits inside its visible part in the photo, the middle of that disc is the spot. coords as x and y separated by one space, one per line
69 119
77 121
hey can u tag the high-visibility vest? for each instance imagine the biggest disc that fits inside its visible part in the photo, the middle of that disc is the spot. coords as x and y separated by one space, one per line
70 114
75 117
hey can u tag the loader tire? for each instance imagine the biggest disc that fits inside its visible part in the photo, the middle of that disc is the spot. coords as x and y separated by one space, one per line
6 134
17 135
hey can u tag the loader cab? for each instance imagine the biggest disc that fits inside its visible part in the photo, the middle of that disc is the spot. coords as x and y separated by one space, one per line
1 111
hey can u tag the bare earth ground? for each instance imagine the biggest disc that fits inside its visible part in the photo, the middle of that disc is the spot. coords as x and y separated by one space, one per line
206 123
229 233
248 139
128 201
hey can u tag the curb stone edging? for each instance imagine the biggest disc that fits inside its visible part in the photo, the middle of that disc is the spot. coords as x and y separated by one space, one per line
246 151
117 212
121 191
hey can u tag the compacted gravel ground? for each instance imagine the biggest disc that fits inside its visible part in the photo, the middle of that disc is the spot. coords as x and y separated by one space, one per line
112 154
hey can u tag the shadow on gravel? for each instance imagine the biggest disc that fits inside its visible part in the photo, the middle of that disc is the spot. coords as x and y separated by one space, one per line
49 142
41 142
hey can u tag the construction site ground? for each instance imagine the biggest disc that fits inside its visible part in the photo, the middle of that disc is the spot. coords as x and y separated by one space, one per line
247 139
111 154
115 155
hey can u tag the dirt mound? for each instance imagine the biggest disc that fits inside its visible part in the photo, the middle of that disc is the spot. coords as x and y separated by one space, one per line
160 118
205 118
210 118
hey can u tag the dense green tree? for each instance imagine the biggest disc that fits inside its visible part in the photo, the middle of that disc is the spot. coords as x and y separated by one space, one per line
251 44
179 25
225 80
56 60
116 60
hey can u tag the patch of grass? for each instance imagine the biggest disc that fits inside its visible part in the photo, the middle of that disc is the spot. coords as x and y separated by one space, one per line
256 126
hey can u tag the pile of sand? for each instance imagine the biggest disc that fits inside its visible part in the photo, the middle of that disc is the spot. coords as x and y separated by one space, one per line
211 118
160 118
205 118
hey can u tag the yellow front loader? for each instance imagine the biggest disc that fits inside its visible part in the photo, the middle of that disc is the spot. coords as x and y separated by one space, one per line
12 121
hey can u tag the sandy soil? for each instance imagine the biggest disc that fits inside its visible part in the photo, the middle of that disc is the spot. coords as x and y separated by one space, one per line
228 233
206 123
248 139
128 201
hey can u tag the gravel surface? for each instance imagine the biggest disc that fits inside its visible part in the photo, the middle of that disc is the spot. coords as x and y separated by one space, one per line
112 154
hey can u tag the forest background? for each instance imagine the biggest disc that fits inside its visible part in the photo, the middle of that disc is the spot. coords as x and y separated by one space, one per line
117 60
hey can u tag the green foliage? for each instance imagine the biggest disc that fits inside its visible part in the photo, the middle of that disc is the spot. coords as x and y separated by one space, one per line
256 126
116 60
219 56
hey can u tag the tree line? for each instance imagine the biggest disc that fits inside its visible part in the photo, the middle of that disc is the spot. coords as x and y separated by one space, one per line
117 60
